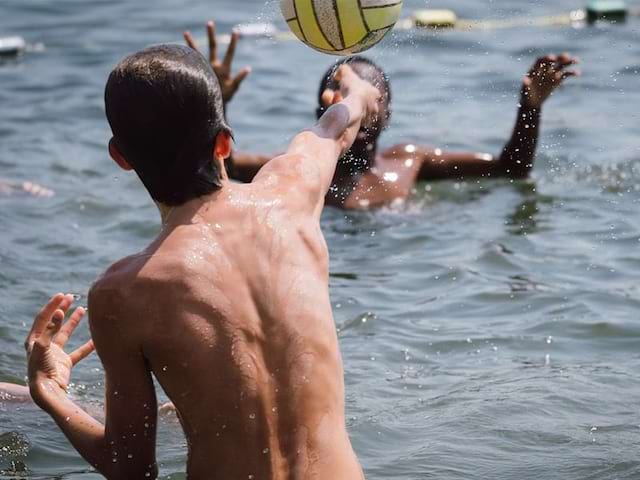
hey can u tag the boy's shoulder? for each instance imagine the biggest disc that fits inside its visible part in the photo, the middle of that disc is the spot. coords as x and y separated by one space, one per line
137 279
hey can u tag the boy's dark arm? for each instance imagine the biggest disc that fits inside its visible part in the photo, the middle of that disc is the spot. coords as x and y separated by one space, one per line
517 157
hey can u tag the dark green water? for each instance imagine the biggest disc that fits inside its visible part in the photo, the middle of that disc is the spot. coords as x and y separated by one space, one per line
489 330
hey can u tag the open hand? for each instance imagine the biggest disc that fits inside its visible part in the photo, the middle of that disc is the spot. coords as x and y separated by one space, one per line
229 84
351 84
48 364
545 76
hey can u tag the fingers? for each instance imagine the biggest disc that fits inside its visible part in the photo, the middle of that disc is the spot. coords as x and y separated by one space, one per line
542 62
563 75
553 62
213 45
328 97
341 73
231 51
68 328
567 59
43 318
82 352
190 41
53 327
244 73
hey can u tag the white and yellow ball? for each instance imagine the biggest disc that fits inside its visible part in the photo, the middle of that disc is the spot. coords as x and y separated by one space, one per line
341 27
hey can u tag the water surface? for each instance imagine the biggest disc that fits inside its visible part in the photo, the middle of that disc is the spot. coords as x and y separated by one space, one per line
489 329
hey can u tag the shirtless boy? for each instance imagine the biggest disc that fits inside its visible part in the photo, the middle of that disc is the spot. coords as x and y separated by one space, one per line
368 177
228 308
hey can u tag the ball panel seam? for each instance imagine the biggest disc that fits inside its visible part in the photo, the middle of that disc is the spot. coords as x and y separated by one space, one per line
309 24
350 18
327 23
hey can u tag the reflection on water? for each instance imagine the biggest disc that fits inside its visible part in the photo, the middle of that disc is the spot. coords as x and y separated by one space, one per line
525 217
489 329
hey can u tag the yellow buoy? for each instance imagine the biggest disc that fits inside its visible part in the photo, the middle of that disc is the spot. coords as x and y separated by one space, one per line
435 18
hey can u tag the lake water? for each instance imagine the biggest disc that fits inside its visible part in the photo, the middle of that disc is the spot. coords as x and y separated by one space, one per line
489 329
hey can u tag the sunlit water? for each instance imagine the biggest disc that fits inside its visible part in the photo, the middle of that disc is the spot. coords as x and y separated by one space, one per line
489 330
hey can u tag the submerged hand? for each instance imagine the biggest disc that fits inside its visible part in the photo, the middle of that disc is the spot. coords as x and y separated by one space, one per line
545 76
48 364
7 188
228 83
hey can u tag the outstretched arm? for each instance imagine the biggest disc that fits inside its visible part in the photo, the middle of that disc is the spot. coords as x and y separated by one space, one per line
516 159
125 446
311 159
14 393
543 79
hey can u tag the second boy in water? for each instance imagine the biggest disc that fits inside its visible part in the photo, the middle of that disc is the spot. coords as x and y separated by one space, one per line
368 176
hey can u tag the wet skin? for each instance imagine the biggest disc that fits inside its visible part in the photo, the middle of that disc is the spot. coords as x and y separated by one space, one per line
229 309
367 177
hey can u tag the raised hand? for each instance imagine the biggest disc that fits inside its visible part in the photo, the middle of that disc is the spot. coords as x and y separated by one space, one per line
48 365
351 84
223 69
545 76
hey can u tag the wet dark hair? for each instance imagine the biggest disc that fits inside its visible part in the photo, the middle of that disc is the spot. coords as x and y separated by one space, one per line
367 70
165 110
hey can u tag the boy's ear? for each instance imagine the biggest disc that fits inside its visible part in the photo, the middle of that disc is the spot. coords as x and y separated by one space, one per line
117 156
222 149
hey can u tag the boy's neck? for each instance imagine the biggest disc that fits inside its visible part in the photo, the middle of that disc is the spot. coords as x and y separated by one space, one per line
165 212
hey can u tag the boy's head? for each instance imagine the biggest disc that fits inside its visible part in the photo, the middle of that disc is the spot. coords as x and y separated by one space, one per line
165 110
369 71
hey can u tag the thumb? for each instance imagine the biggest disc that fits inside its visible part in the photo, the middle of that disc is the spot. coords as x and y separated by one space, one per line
327 97
244 73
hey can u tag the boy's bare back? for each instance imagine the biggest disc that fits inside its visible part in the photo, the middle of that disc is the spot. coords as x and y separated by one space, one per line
230 309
